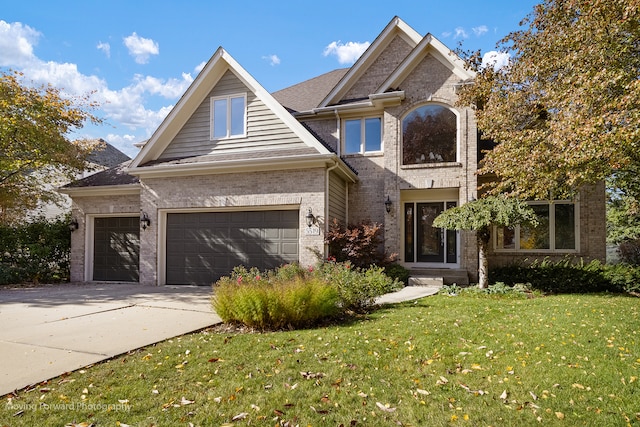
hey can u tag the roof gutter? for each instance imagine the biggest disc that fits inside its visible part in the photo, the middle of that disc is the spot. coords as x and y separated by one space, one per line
375 100
239 165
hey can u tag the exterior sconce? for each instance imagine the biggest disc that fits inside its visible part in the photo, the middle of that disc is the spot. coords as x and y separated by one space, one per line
310 218
73 225
145 221
387 204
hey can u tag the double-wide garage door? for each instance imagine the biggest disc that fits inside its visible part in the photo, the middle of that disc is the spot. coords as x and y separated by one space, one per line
201 247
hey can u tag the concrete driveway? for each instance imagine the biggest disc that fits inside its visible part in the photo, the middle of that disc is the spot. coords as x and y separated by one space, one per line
47 331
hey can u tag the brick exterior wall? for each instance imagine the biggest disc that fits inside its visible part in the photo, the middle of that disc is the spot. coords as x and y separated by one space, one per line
301 189
83 208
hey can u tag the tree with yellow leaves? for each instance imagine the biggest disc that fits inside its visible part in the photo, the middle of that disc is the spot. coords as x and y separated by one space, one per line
565 111
35 123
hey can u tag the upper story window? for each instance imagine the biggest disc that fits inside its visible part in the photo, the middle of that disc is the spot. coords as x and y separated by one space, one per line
228 116
429 135
362 135
557 229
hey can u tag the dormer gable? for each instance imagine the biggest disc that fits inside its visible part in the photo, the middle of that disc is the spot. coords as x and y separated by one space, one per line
224 79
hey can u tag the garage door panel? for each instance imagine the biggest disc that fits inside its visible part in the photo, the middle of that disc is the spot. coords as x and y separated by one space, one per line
116 250
224 240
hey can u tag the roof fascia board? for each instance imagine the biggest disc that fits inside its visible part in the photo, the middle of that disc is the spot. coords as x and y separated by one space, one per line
442 53
246 165
396 26
376 100
102 190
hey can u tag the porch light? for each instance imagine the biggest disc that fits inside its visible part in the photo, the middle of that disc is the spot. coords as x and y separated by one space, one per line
310 218
145 221
387 204
73 225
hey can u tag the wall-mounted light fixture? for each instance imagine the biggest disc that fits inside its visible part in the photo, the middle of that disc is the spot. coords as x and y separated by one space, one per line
387 204
145 221
310 218
73 225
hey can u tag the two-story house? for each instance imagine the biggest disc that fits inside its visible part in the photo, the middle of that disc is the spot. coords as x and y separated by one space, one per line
236 175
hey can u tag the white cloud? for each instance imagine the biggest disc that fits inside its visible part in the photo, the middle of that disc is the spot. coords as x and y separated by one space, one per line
105 47
273 59
200 66
347 53
460 32
140 48
495 59
478 31
16 44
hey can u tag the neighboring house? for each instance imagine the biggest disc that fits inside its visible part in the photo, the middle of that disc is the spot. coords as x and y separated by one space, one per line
105 156
234 173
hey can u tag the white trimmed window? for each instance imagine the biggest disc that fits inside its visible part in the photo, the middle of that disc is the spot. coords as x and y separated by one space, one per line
362 135
229 116
557 231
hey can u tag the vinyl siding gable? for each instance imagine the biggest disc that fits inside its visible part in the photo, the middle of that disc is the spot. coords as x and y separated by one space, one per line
265 131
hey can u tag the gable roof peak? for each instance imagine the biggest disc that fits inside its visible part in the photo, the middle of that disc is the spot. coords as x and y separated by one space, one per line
395 27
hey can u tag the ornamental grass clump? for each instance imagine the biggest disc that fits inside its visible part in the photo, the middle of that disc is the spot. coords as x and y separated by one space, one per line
281 299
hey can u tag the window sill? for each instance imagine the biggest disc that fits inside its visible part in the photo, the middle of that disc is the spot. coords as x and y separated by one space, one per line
366 154
432 165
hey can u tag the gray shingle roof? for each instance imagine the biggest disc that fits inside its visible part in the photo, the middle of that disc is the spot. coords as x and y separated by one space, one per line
113 176
107 155
308 94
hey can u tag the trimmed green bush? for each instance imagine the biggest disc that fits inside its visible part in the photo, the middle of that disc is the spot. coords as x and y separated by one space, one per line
358 288
569 277
35 252
397 272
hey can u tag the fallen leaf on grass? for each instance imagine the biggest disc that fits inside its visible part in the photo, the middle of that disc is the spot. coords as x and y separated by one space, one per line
560 415
503 396
240 416
184 401
310 375
424 392
385 408
442 381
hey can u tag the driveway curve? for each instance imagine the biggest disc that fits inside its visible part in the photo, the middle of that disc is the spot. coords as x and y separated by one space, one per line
49 330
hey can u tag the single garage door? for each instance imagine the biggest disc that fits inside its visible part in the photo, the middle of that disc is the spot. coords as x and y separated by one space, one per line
203 246
116 250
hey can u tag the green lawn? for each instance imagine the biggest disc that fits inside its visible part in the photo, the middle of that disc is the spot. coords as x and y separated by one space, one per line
467 360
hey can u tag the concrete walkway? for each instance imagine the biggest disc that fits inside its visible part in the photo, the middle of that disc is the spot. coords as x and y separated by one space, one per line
47 331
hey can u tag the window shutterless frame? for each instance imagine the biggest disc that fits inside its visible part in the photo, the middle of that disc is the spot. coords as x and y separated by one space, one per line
362 135
228 116
558 232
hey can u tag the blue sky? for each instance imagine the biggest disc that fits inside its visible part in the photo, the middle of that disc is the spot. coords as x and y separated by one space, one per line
139 56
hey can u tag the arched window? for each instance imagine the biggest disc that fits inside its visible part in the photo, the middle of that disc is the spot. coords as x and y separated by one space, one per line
429 135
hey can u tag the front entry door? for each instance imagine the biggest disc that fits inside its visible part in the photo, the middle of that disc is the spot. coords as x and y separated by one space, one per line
429 239
425 243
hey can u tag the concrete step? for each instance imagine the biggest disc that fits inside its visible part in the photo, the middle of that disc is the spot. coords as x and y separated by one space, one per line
441 275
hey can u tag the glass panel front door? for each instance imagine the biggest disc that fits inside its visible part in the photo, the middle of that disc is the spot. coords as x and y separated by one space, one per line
423 242
430 240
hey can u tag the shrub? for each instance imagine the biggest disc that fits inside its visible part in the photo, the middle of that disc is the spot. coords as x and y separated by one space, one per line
359 244
629 251
273 300
357 288
397 272
35 252
564 276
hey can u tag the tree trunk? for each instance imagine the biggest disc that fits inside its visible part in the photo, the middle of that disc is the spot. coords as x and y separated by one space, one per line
483 264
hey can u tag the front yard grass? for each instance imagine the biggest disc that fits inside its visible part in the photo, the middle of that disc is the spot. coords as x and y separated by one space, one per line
564 360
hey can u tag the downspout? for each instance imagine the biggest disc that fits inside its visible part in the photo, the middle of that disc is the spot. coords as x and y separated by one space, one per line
326 203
